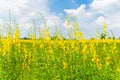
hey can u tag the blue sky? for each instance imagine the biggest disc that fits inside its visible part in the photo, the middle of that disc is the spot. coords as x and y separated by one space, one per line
90 14
58 6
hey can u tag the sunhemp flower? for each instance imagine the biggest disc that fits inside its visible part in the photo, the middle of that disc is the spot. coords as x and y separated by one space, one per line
108 60
64 65
105 28
118 69
67 22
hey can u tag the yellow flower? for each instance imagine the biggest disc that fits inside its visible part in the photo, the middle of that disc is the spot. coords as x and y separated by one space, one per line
50 51
67 22
105 28
64 65
32 36
41 46
17 34
98 63
118 70
108 60
4 53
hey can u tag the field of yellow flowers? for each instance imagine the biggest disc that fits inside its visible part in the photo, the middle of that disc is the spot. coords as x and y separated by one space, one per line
59 59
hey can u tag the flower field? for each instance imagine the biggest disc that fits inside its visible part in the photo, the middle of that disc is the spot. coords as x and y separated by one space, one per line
55 58
59 59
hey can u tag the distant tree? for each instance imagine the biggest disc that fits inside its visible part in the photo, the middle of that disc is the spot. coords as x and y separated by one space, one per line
25 38
103 36
55 38
92 38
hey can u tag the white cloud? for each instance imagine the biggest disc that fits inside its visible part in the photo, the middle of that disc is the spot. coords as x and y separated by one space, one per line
100 11
77 11
100 20
14 5
104 4
25 25
33 14
52 20
24 11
